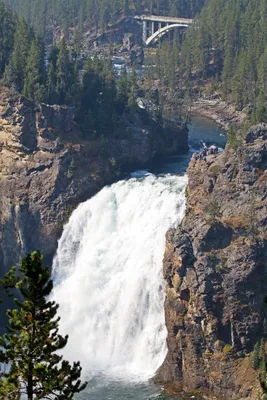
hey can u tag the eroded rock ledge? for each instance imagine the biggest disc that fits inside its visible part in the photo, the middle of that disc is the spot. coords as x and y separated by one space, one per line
215 274
47 168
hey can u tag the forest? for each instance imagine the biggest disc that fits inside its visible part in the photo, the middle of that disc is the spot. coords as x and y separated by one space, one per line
228 44
98 99
44 14
224 51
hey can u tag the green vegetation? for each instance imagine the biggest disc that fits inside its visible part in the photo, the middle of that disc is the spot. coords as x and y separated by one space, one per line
91 88
224 52
214 171
228 349
255 358
258 361
233 138
228 43
71 169
31 364
43 15
213 212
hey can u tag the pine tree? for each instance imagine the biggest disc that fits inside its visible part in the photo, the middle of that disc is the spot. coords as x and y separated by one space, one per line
7 29
51 94
261 115
255 357
123 91
64 71
77 44
133 90
125 7
30 348
35 72
19 57
213 212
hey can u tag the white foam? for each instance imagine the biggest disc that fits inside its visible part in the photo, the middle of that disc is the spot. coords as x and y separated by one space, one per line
108 276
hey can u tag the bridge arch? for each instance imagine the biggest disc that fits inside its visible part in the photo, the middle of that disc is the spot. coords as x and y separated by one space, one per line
149 22
163 31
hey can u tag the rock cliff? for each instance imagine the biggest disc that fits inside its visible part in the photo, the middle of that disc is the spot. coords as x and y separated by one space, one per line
47 168
215 269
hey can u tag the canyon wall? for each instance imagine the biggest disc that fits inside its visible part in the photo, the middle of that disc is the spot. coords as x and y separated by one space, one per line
215 268
47 168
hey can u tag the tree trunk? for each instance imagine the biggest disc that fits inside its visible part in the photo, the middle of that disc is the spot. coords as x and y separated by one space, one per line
30 383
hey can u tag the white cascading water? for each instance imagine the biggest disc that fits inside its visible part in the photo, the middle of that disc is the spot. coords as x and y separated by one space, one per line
108 276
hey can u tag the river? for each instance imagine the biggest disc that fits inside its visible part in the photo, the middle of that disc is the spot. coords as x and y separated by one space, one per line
108 276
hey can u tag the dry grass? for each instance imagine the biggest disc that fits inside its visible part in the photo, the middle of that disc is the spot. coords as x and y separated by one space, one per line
236 222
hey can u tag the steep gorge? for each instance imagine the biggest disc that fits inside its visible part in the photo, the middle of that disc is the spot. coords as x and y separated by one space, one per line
215 273
214 270
47 168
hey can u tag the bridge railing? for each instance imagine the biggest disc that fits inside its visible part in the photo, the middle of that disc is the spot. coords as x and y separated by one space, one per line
159 18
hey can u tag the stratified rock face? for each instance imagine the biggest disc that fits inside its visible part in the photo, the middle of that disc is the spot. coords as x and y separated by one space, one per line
215 272
47 168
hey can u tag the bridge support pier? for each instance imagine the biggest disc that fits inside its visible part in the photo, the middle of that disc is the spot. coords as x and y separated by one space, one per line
153 28
144 33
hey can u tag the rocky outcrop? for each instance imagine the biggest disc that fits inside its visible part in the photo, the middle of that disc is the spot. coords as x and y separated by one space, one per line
219 111
137 55
47 168
124 35
215 273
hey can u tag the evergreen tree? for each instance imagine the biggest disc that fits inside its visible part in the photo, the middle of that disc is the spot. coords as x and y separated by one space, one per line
77 44
7 30
95 12
30 349
65 73
51 93
213 212
255 357
133 90
261 115
125 7
19 56
123 91
35 73
229 39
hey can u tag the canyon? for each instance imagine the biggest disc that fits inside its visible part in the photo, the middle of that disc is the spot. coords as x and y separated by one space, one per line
47 168
215 261
215 269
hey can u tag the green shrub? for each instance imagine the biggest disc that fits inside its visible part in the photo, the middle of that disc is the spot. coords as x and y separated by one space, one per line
255 356
213 212
214 171
71 169
227 349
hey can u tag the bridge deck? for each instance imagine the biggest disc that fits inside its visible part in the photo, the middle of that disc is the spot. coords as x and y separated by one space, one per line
158 18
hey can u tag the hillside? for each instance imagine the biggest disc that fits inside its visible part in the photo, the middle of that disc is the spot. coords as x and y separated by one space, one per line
44 15
228 46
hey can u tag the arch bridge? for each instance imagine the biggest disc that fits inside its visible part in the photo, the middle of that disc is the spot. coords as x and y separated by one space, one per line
155 26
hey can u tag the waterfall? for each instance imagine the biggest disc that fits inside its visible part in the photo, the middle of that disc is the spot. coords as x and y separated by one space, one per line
108 276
